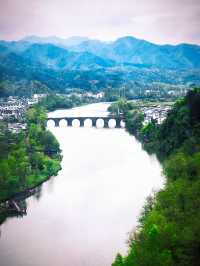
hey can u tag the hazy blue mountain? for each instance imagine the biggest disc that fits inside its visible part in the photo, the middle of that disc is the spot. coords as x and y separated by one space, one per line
129 50
126 51
106 64
3 49
72 41
92 46
50 56
55 57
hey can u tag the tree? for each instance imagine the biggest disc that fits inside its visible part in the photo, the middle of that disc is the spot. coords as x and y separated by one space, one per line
118 260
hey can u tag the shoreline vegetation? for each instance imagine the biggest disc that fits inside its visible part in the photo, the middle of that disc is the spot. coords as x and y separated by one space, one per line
168 231
28 158
33 156
54 102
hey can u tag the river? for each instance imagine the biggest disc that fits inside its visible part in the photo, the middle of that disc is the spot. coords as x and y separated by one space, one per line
82 216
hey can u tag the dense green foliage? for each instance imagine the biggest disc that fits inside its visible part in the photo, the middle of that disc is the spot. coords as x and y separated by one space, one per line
121 107
133 117
181 128
169 229
53 102
56 101
28 158
21 88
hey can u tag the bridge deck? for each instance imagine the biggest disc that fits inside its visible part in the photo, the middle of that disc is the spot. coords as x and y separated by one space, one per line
82 119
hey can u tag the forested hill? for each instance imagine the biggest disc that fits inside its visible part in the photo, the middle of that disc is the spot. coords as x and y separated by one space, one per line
94 65
168 233
181 129
125 50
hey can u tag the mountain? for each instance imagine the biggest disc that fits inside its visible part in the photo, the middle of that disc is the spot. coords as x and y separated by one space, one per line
72 41
129 50
58 58
91 64
92 46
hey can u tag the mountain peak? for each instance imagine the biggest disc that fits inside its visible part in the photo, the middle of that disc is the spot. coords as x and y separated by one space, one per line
64 42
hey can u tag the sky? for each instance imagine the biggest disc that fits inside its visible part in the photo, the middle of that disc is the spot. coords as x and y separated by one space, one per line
158 21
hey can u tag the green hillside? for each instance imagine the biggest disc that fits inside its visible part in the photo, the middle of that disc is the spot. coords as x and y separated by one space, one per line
168 233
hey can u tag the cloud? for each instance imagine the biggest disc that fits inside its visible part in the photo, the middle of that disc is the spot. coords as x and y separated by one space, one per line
159 21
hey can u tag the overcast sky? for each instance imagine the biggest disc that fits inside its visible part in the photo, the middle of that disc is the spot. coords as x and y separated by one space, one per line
159 21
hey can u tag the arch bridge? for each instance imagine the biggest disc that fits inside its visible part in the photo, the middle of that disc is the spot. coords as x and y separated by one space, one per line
69 120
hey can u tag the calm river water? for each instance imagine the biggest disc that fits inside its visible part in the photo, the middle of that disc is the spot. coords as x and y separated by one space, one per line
83 215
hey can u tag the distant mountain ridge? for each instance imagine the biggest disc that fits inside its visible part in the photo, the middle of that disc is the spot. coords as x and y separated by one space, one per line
134 51
75 40
80 62
58 58
124 51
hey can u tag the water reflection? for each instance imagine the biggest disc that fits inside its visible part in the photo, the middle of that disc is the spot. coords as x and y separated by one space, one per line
38 192
12 208
17 206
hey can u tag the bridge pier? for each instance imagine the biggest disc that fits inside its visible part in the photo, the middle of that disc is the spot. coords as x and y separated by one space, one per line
106 123
118 123
56 121
94 122
69 122
82 120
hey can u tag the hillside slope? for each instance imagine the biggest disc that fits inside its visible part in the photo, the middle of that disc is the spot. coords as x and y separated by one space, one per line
168 233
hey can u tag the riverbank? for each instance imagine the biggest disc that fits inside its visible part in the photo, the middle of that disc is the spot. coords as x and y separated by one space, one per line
35 152
94 188
28 158
54 102
15 206
168 230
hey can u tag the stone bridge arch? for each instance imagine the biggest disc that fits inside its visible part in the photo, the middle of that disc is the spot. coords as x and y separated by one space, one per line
69 121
